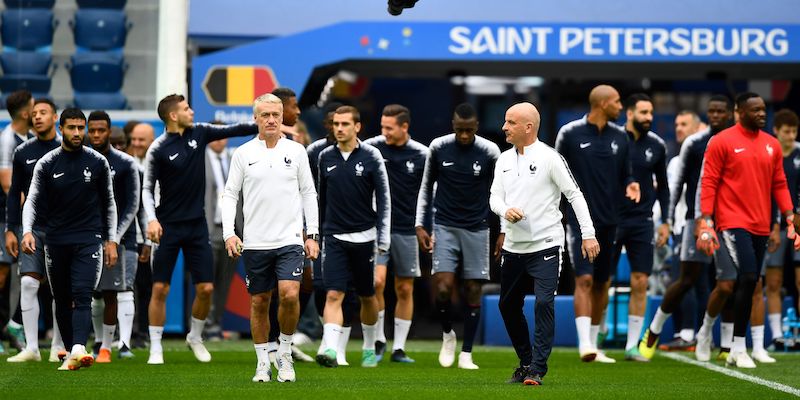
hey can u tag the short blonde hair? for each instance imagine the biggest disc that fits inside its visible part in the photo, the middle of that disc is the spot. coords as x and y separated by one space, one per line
266 98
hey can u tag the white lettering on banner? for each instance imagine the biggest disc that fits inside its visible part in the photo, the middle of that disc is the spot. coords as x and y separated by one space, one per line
503 40
233 117
617 41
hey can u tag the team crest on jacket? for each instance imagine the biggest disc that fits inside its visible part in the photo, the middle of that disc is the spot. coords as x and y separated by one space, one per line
476 168
796 162
193 144
769 149
87 175
410 166
287 161
359 169
532 168
648 154
614 147
113 173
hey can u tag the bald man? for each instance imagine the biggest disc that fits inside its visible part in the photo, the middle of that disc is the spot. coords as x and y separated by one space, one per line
142 136
529 180
597 151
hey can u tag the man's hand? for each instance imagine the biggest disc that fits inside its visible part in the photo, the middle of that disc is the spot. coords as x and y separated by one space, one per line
234 246
663 235
425 240
498 246
632 192
12 246
590 248
707 241
154 231
144 255
792 225
312 249
28 243
110 253
514 214
774 240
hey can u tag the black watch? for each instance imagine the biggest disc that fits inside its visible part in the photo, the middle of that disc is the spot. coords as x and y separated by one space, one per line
314 237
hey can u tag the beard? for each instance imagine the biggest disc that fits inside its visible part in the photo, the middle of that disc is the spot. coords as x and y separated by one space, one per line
641 127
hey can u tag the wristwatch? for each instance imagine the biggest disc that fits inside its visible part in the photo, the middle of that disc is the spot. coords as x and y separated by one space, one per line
314 237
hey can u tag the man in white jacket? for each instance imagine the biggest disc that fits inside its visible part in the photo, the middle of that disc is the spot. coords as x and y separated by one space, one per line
528 182
273 174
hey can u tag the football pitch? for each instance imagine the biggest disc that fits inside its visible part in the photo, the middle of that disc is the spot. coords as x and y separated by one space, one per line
229 373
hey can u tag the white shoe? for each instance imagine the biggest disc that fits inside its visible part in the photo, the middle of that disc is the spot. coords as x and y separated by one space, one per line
199 350
300 339
702 350
263 373
69 364
588 354
762 357
602 358
25 356
156 358
300 356
465 361
341 359
54 354
286 368
447 355
740 359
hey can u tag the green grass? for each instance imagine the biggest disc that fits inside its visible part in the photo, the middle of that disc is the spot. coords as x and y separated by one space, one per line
228 376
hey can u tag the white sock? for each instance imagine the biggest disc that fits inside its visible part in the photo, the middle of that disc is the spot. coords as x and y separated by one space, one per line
593 330
29 305
344 338
57 342
739 344
272 346
369 336
686 334
98 308
285 343
658 321
380 333
583 326
775 325
330 335
155 338
635 324
757 334
708 325
603 324
401 328
726 334
108 336
196 331
78 349
261 353
125 311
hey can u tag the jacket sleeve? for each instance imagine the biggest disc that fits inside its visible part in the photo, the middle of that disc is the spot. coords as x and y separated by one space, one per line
562 177
383 203
711 175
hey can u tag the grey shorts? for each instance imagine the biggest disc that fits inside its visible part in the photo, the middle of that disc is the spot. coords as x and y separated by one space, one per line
6 258
404 255
32 263
778 258
121 276
456 244
689 250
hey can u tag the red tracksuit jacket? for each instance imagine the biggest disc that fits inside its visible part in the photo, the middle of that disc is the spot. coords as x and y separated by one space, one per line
742 173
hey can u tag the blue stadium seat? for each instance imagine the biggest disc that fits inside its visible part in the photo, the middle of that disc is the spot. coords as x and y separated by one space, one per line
33 83
114 4
26 62
97 72
27 29
100 30
101 101
48 4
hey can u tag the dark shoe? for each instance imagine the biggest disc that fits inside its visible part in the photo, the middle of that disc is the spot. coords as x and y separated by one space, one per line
380 348
678 344
532 378
519 375
400 356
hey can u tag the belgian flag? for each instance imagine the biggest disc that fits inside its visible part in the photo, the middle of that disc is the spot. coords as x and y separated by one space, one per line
238 85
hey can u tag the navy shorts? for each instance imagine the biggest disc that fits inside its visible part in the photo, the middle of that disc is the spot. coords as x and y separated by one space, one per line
344 262
601 268
639 242
32 263
192 238
739 252
779 257
264 268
